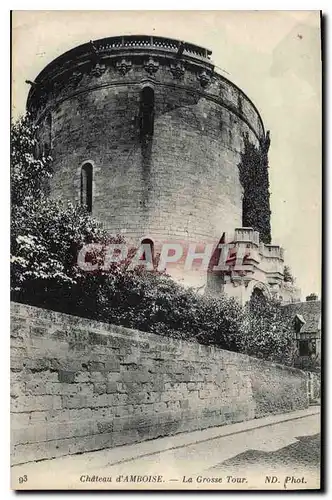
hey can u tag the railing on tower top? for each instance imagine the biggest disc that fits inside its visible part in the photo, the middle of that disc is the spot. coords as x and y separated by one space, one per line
246 234
152 42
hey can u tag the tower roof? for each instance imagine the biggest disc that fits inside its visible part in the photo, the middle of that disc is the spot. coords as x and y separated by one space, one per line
113 46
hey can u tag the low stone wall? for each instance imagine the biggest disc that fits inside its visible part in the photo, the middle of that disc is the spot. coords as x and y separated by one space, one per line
314 387
79 385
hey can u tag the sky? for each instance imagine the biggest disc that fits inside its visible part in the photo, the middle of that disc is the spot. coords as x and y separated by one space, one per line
273 56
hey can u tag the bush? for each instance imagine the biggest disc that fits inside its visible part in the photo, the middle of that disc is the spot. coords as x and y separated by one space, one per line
267 332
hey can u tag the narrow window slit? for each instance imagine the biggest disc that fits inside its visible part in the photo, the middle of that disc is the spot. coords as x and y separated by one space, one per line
147 112
86 186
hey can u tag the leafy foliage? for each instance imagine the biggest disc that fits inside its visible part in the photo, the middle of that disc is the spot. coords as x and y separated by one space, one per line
311 363
253 171
288 276
267 331
29 174
46 237
155 303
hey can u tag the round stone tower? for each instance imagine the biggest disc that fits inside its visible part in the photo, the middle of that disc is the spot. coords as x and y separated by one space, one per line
147 135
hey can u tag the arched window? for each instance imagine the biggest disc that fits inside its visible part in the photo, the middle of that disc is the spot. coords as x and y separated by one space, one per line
258 293
147 112
257 299
86 186
146 255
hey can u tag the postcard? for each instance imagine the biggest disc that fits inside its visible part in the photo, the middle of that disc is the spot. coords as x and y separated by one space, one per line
166 180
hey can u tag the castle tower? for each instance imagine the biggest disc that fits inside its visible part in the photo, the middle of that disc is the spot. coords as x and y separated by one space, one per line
147 135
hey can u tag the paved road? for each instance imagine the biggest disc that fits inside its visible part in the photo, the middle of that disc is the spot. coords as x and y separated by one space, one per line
285 455
285 450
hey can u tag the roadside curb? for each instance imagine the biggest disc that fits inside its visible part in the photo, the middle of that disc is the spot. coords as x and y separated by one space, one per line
277 419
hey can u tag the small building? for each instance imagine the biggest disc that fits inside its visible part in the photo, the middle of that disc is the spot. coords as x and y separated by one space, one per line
307 331
252 266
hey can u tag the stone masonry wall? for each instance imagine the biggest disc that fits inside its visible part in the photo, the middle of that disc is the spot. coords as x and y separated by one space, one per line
79 385
183 185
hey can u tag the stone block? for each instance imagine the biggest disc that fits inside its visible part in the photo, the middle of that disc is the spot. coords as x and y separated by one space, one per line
75 401
112 387
40 416
53 431
18 420
17 389
96 366
161 406
35 403
99 388
97 376
122 411
105 426
66 376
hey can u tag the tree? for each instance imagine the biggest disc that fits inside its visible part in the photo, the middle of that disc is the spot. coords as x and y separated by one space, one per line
46 235
267 332
253 175
288 276
29 174
219 322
